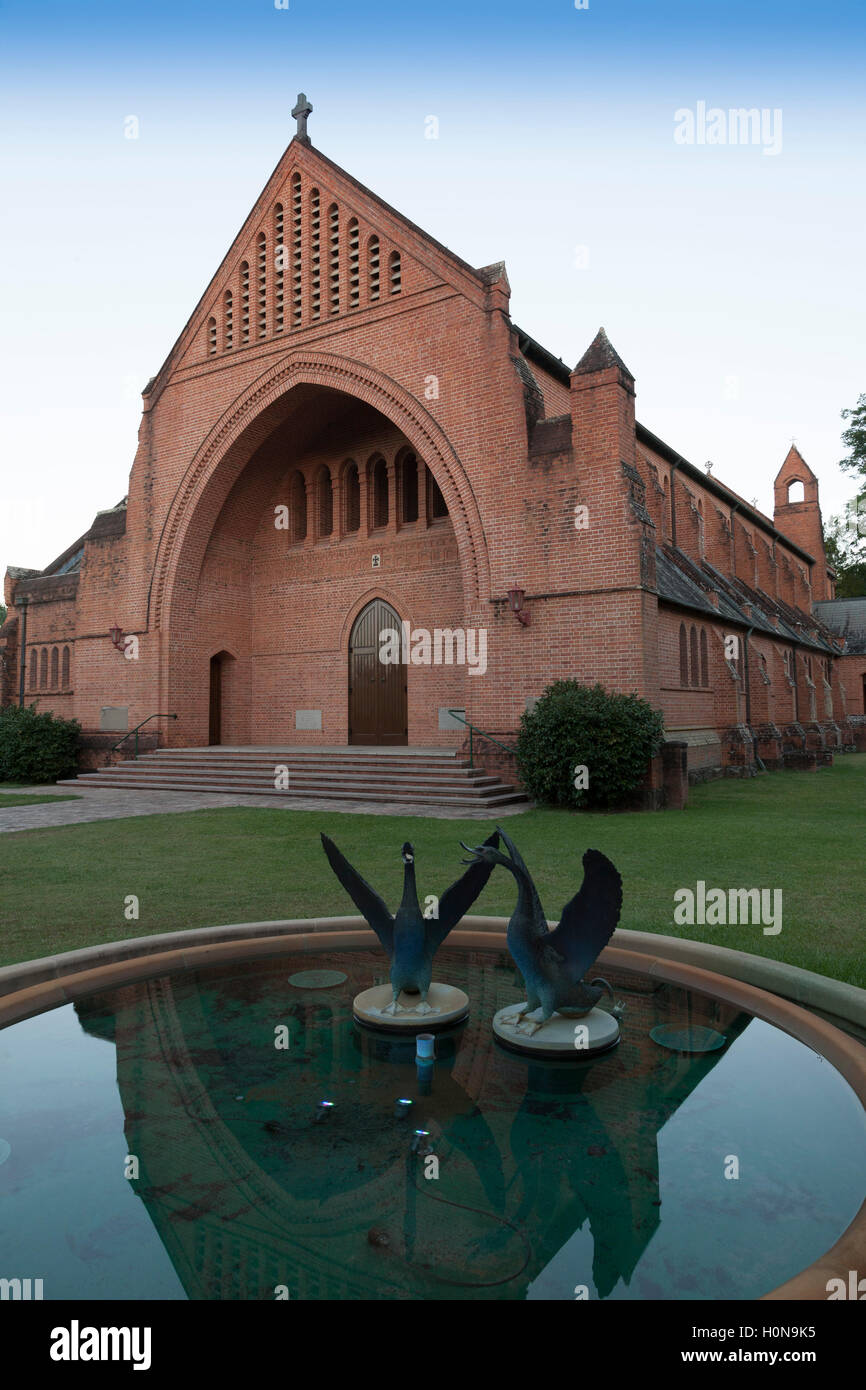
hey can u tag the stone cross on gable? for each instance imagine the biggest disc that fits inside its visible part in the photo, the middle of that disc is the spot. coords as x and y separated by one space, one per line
300 113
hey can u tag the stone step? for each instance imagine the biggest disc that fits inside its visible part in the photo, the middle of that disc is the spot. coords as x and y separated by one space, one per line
309 781
348 765
500 796
265 773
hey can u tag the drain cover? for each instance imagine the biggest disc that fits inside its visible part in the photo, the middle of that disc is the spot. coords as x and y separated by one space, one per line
317 979
688 1039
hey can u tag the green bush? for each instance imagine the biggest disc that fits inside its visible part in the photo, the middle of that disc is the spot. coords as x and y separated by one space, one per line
36 747
575 726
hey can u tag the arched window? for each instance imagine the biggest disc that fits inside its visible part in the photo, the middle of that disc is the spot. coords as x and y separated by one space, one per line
315 253
334 257
354 264
297 508
245 302
436 507
409 488
379 491
373 267
325 505
797 491
297 301
34 668
395 274
352 496
55 668
211 337
43 668
228 324
262 268
705 665
693 645
684 656
64 669
279 269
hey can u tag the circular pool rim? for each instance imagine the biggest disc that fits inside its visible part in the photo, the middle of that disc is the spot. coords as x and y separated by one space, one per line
37 986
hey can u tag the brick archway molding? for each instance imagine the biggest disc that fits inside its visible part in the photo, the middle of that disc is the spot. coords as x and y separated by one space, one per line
251 418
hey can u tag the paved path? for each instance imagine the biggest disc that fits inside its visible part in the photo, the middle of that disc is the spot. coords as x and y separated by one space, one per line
116 803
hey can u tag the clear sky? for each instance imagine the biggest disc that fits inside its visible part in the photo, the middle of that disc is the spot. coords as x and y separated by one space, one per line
730 279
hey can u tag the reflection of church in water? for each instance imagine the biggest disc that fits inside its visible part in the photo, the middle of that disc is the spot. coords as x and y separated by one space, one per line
250 1185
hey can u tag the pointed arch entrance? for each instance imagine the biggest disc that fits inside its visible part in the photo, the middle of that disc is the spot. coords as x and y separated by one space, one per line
377 692
220 674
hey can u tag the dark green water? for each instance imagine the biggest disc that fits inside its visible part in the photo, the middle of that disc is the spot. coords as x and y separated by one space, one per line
607 1174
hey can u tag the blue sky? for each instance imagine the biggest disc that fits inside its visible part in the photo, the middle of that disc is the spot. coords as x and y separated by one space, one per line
730 280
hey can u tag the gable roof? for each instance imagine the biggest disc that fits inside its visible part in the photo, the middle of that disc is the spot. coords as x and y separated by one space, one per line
301 156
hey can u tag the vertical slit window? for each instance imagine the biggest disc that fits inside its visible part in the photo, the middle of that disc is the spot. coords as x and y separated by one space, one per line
379 479
352 484
297 301
228 324
326 510
43 668
279 269
693 645
245 302
409 487
436 506
263 284
55 668
334 257
395 274
34 669
211 337
373 261
684 656
354 265
315 255
64 669
705 665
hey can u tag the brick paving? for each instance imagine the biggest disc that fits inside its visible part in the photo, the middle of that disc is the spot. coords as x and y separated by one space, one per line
117 804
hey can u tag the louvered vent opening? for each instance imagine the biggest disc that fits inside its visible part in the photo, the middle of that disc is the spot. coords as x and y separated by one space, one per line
228 323
354 265
211 337
396 274
245 302
374 268
262 285
334 258
297 302
316 255
279 270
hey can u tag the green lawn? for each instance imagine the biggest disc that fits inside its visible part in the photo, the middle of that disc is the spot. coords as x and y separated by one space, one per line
800 832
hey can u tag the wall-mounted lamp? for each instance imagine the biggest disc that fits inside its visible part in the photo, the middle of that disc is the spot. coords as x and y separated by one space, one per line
118 637
517 603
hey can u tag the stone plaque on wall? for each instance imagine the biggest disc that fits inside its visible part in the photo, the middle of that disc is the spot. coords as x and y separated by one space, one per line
114 719
308 719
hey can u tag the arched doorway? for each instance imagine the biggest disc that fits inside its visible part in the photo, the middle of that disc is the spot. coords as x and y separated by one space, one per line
377 691
219 672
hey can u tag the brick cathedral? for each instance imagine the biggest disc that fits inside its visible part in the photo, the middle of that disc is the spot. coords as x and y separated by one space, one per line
351 436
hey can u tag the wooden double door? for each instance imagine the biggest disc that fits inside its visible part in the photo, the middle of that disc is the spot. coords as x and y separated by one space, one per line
377 691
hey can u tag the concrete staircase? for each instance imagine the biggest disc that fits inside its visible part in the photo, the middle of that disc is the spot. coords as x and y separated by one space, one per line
426 776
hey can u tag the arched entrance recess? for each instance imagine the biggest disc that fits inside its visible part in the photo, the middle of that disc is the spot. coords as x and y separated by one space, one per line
223 455
377 690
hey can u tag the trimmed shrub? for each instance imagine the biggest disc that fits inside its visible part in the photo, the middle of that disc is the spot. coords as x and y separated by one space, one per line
36 747
576 726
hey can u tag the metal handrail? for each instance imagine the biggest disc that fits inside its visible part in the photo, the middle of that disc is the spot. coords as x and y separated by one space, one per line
114 747
474 729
